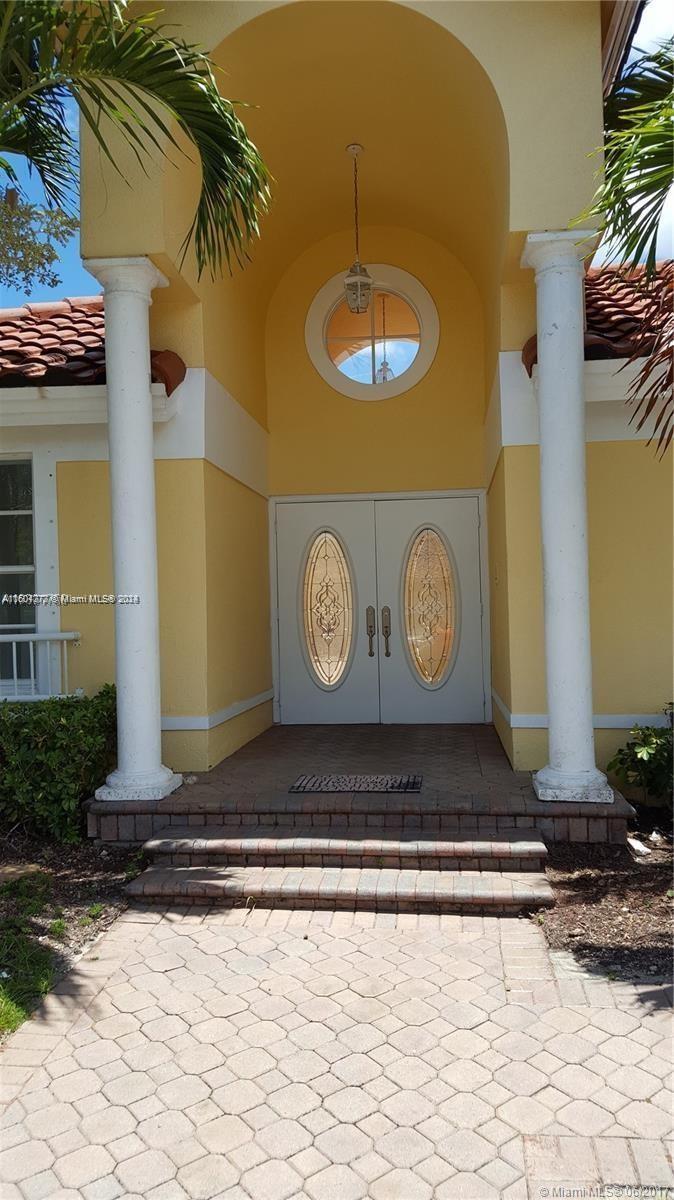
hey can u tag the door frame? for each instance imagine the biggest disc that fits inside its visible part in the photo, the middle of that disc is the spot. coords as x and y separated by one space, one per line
480 494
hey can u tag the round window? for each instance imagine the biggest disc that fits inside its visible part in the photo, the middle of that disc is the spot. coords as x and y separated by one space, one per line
382 352
375 346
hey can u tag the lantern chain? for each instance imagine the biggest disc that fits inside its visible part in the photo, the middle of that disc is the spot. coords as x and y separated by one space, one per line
355 205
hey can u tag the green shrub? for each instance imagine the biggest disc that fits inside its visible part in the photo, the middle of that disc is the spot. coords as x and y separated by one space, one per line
53 755
646 760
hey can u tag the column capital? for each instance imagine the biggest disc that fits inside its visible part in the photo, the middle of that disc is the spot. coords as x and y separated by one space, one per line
556 250
137 275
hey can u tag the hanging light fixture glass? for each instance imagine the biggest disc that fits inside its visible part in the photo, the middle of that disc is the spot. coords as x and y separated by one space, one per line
357 283
384 371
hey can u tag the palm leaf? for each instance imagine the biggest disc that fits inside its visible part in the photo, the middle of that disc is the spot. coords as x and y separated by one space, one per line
638 164
129 71
652 392
637 179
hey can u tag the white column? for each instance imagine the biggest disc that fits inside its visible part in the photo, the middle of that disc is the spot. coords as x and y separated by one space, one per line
128 284
571 773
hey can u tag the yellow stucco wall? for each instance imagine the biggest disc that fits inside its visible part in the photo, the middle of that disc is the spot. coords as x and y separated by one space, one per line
542 58
498 584
237 587
630 530
525 594
229 736
630 539
212 548
429 437
85 566
518 160
505 734
518 311
527 749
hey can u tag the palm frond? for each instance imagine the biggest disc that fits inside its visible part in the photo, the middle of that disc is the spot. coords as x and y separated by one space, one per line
652 392
129 71
646 80
638 163
637 178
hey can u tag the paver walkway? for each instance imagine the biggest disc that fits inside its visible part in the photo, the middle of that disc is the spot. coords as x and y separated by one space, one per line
297 1055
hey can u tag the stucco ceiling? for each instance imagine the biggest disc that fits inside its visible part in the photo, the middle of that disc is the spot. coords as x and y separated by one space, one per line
321 75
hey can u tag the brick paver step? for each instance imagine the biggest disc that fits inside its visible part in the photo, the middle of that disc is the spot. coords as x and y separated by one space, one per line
333 886
490 805
299 846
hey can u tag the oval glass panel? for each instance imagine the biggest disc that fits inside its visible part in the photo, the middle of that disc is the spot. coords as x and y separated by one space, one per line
327 608
430 606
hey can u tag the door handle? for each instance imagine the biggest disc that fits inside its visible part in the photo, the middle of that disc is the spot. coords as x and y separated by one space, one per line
386 629
371 627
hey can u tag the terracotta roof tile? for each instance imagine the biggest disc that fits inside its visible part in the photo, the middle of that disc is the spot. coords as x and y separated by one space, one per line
615 307
62 342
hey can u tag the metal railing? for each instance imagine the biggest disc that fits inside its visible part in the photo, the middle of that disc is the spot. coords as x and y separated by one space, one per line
36 666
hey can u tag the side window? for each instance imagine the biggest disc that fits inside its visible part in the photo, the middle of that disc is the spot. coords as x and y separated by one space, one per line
17 563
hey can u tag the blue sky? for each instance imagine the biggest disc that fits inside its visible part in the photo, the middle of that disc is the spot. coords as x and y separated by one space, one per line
75 281
657 22
400 354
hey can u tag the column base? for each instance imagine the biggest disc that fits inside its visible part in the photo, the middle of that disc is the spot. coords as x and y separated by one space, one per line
572 787
150 785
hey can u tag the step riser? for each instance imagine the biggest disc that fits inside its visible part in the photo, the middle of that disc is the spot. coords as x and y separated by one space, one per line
137 828
385 889
342 905
406 862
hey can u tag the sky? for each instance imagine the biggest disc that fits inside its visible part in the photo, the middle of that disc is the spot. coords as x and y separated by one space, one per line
75 281
657 22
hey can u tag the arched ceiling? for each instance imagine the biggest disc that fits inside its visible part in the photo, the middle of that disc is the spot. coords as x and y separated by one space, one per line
321 75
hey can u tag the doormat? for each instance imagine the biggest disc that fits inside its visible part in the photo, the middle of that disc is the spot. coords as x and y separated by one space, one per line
357 783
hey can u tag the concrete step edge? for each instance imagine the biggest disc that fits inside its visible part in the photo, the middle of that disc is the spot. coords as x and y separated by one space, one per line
215 840
479 888
525 804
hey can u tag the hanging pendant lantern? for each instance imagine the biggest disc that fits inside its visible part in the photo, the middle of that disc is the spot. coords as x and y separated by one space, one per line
358 282
384 370
358 288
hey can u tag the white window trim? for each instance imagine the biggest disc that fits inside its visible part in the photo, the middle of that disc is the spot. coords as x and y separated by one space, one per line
21 568
45 553
401 283
45 531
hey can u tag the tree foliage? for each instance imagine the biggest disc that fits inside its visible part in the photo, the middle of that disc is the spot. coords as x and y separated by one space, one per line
638 177
128 71
29 237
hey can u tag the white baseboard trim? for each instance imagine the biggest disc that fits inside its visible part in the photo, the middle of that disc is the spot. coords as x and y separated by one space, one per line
599 720
211 720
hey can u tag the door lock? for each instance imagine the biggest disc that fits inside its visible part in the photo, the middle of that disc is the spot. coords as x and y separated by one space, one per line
386 629
371 628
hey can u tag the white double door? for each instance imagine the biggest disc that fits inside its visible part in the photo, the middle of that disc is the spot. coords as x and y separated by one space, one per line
379 611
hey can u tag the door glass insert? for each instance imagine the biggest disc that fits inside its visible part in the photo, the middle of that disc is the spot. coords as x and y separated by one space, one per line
430 606
327 608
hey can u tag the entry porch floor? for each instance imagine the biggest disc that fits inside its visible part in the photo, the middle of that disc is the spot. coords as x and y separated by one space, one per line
460 760
468 785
